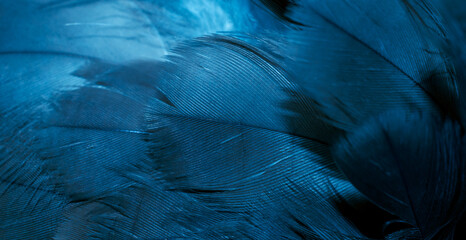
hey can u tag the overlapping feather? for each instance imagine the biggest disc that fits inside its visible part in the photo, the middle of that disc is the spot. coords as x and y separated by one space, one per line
231 135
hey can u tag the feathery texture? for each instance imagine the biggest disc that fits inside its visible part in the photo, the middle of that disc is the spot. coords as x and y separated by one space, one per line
348 49
241 119
417 174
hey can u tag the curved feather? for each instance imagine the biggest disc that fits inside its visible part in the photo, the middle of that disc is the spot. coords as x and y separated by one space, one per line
230 136
101 156
31 204
417 175
62 145
227 139
116 31
121 30
394 62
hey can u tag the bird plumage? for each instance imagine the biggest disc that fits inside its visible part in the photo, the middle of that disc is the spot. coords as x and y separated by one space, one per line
231 120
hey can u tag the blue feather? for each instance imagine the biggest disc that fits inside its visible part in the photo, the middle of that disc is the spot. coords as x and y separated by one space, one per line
241 119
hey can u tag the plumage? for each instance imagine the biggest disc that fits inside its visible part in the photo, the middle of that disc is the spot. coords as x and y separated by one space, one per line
394 60
238 119
416 174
